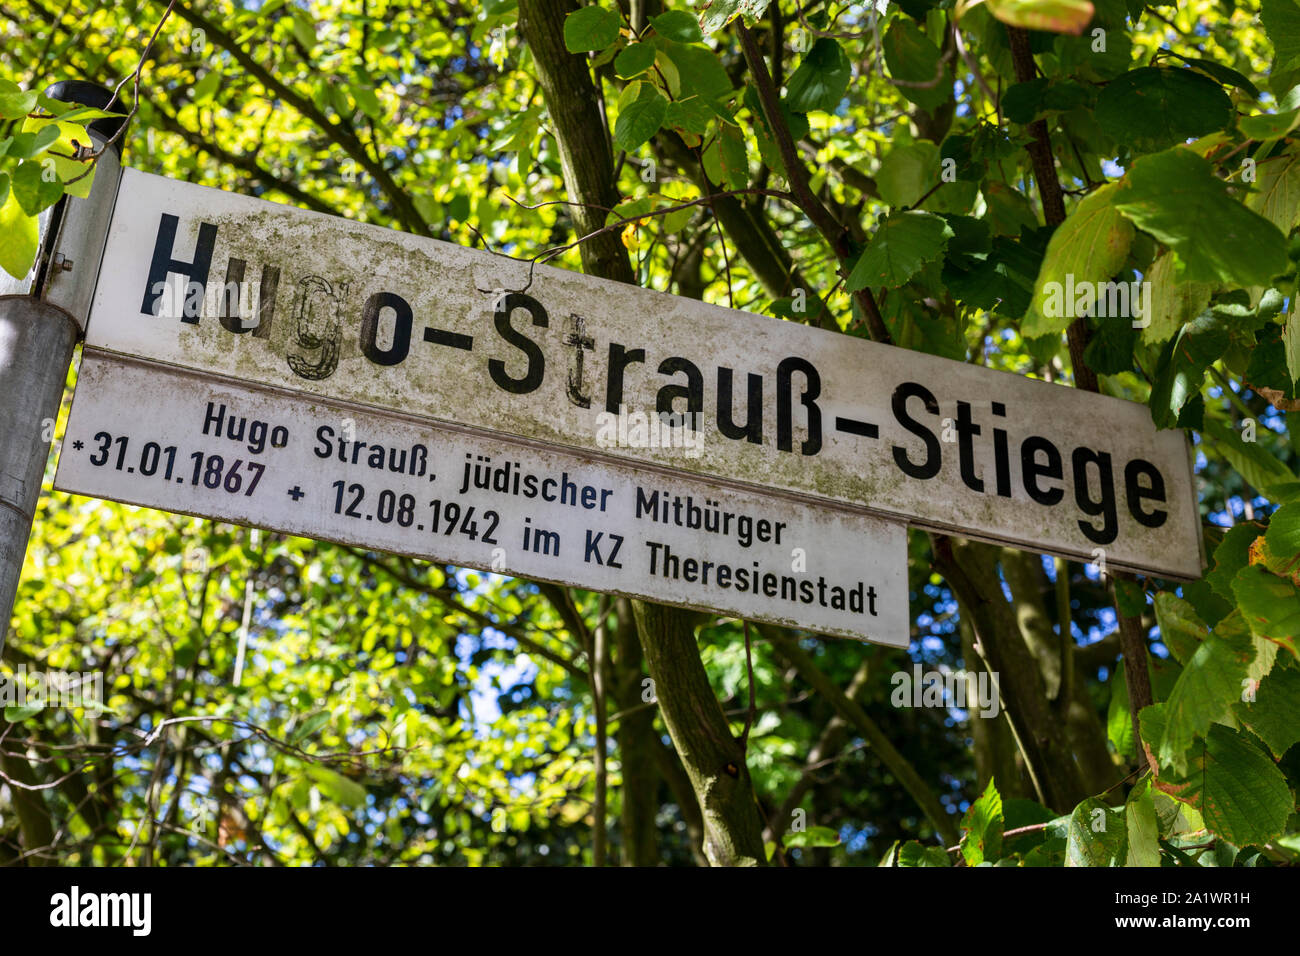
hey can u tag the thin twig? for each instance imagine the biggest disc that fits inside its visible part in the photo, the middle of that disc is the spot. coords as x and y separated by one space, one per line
135 97
753 708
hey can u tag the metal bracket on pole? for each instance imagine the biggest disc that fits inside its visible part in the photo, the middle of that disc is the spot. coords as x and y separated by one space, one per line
42 316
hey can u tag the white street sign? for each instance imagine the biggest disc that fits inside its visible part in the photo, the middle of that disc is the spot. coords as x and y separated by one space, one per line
189 443
278 296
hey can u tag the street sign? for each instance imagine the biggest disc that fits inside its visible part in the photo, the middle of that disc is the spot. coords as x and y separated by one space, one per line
190 443
277 296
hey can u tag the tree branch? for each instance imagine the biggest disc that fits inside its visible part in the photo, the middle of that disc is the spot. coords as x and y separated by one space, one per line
832 231
339 134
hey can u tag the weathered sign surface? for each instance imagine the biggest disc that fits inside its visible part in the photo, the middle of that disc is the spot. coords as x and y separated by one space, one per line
185 442
282 297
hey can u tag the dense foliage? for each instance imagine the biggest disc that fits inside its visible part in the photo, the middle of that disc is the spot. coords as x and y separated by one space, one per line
917 172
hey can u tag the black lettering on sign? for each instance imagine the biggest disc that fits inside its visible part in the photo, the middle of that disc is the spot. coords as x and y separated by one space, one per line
455 340
966 430
532 378
228 306
752 430
1031 469
229 313
1001 459
270 284
592 553
785 412
619 359
852 426
692 391
1135 492
575 336
1104 505
370 316
163 264
317 327
929 466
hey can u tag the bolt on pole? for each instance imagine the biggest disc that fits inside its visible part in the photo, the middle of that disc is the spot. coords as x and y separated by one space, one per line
42 316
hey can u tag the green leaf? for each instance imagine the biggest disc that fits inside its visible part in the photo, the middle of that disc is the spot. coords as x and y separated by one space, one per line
1274 715
1002 281
31 143
702 73
1176 197
1283 535
1251 460
640 116
1181 630
207 86
1239 791
1180 369
1119 715
1110 350
690 115
304 27
982 826
634 59
335 786
1232 554
913 59
1022 103
890 855
1291 343
1205 691
821 79
1172 302
84 114
1098 835
813 836
733 156
34 189
912 853
66 138
364 94
590 29
908 172
1224 74
1084 252
1270 605
718 13
903 243
16 104
1056 16
1211 608
677 25
1080 57
1281 19
312 724
1266 126
19 238
15 714
1155 107
1268 366
1142 826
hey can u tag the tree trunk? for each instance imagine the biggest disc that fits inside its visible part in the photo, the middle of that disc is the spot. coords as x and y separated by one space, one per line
636 745
713 758
733 830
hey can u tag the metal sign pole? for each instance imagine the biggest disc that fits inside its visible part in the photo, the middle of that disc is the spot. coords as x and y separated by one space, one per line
41 318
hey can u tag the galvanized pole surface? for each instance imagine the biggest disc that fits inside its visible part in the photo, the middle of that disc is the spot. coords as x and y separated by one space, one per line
41 318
